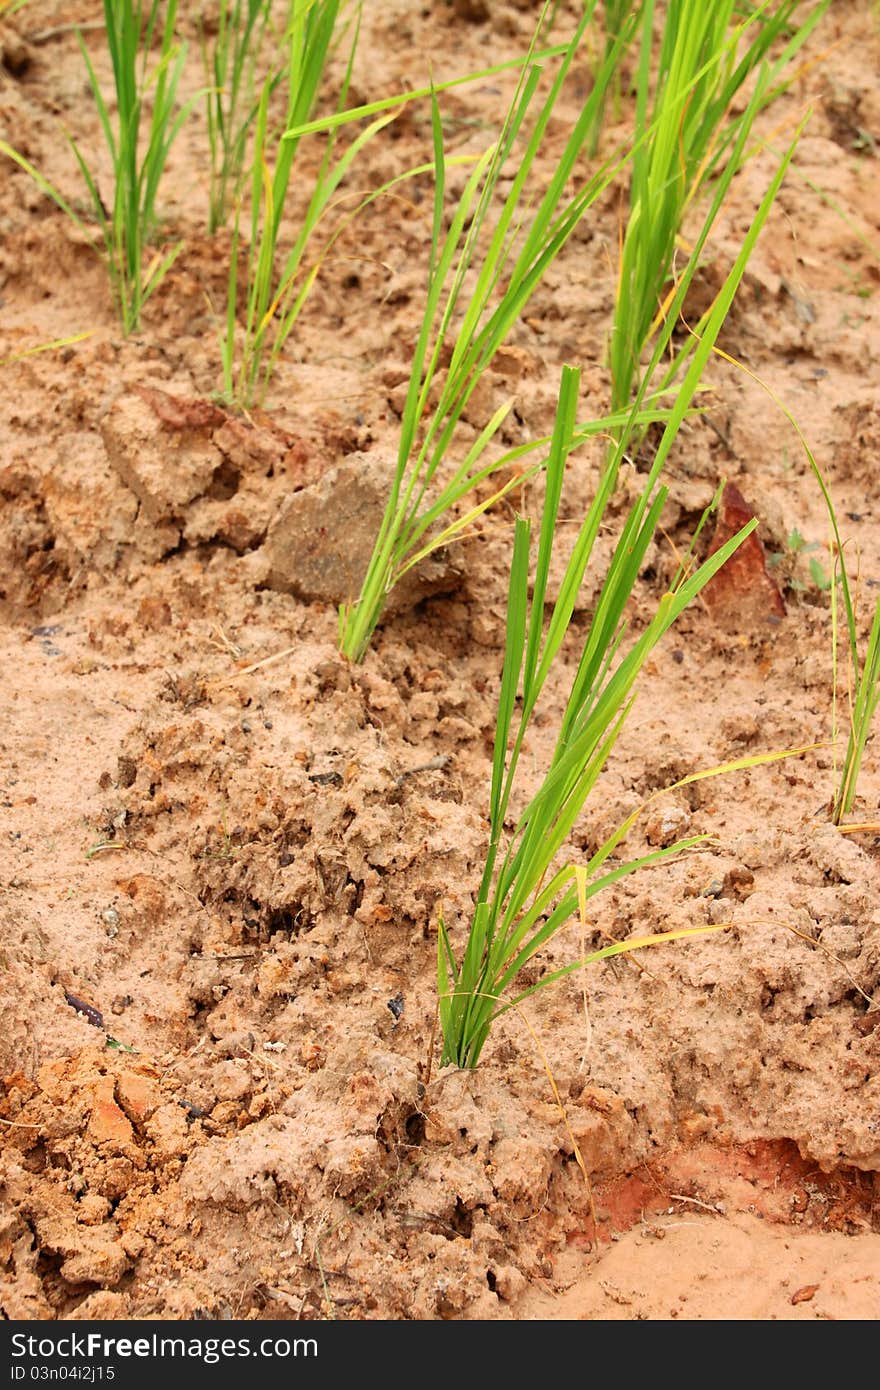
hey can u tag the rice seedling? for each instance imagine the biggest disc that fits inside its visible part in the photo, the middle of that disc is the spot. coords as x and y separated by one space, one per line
230 57
863 708
615 16
276 298
686 99
274 301
482 273
138 146
522 901
425 438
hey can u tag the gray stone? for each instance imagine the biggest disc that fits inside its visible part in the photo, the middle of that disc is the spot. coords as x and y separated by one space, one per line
320 545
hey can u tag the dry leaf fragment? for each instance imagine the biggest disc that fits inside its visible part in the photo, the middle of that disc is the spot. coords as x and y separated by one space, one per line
806 1294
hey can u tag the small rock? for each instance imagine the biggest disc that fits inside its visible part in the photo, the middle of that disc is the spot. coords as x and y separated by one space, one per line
101 1261
509 1282
102 1305
169 1132
92 1209
667 825
841 859
248 446
738 882
743 595
108 1125
138 1096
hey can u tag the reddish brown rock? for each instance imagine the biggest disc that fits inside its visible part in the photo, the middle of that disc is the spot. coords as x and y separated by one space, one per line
743 594
108 1124
138 1096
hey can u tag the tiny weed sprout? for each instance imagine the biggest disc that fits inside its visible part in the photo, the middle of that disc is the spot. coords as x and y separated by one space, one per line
230 54
685 97
863 672
863 708
138 156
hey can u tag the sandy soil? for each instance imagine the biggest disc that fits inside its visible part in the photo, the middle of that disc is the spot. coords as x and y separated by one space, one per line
216 878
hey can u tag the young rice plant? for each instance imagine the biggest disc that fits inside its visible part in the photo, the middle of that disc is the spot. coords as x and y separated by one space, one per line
275 298
523 900
138 142
482 273
863 670
230 56
685 97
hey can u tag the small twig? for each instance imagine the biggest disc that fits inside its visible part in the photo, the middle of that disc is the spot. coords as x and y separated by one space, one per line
432 765
224 643
695 1202
103 846
287 1297
59 31
255 666
327 1299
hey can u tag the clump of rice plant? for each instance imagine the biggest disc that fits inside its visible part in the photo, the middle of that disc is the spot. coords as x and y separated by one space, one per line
482 273
616 13
230 56
684 97
275 296
139 134
523 900
507 269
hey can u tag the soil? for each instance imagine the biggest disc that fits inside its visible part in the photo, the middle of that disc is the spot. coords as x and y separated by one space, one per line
225 848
